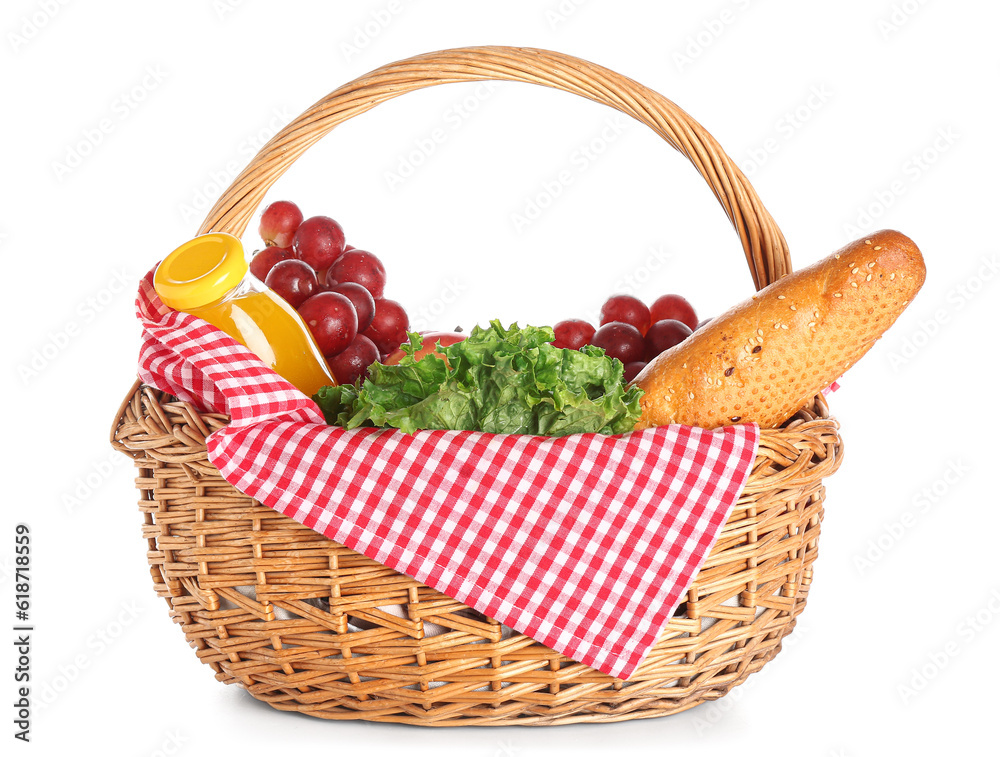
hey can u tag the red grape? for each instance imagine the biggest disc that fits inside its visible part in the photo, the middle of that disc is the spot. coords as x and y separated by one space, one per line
624 308
263 260
620 340
573 334
673 306
702 322
632 370
278 223
362 299
321 273
352 363
665 334
293 280
318 241
388 327
332 319
360 267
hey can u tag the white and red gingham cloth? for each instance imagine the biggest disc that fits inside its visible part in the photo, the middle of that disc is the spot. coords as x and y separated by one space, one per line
587 543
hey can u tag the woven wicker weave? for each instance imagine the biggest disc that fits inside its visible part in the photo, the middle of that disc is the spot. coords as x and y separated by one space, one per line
308 625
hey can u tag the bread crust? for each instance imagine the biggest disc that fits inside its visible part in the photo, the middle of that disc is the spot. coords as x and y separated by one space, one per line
765 358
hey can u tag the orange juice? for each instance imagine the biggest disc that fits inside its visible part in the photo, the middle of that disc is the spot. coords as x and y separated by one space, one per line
208 277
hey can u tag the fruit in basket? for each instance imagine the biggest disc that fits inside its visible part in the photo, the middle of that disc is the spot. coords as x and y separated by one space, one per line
293 280
573 333
624 308
663 335
389 325
620 340
629 310
433 341
318 241
353 363
264 260
332 319
632 370
673 306
764 359
279 222
362 300
359 267
325 262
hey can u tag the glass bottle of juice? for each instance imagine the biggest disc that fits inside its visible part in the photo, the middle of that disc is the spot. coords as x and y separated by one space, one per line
209 277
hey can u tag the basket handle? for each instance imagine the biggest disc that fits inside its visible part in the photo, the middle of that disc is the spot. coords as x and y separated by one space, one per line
765 247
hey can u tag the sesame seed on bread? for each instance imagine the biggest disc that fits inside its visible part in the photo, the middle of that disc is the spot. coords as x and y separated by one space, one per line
765 358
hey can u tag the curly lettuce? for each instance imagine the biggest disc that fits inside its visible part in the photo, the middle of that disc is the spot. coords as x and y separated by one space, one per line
502 381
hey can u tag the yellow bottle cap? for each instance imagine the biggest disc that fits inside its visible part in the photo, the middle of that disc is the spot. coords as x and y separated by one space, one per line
200 271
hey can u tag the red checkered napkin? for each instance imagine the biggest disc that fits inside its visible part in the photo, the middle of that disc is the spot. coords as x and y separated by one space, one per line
586 542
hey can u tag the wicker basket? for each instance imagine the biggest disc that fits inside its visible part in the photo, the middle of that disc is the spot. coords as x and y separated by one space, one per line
308 625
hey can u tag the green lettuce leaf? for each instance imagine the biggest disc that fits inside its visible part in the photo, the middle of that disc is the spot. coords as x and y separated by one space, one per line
502 381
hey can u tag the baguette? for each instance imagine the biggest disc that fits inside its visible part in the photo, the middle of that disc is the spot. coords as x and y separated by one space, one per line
764 359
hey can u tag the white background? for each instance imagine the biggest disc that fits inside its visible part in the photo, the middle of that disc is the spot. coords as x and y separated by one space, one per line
122 120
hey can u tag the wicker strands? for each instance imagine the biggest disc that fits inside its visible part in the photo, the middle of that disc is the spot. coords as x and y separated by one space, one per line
313 635
308 625
763 244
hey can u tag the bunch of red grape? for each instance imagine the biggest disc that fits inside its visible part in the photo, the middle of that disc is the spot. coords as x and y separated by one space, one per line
336 288
632 332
